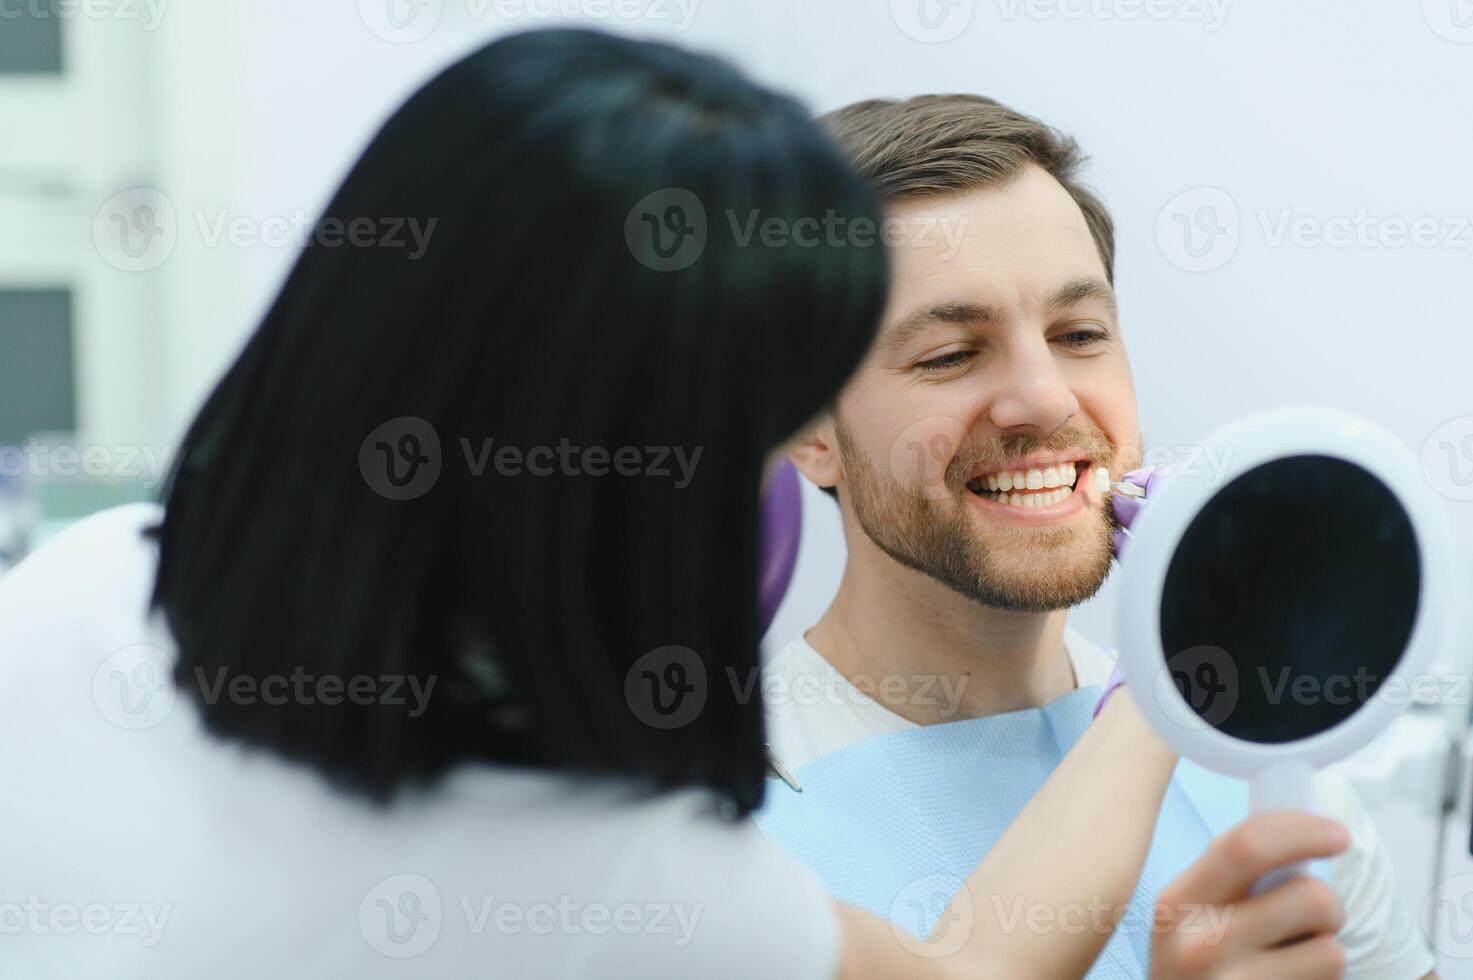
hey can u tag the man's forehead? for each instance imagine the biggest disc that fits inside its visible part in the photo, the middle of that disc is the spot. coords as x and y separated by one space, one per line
1023 243
1028 200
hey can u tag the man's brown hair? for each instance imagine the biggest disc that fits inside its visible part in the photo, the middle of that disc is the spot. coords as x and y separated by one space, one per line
939 144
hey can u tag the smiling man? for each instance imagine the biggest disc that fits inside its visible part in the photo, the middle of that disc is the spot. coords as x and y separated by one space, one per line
971 456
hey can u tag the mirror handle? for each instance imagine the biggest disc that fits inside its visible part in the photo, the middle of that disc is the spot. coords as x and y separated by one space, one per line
1282 786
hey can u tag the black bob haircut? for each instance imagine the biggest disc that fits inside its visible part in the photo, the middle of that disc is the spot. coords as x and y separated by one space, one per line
531 320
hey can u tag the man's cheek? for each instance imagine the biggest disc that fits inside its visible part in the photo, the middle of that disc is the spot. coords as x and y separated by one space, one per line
922 451
1120 420
1128 457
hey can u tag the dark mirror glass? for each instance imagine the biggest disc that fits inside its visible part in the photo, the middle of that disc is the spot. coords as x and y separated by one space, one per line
1290 598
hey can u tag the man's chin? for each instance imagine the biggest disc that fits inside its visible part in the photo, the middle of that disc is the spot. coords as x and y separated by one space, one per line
1041 590
1031 580
1044 569
1018 567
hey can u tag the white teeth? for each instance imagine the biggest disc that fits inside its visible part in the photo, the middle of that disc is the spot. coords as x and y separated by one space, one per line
1056 481
1102 479
1056 496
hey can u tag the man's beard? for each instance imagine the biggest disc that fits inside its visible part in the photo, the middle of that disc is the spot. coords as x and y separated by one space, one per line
934 533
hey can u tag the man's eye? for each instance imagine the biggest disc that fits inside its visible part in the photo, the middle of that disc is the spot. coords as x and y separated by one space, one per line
1082 338
951 360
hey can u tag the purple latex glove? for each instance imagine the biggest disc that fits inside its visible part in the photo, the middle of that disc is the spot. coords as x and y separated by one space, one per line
782 528
1149 479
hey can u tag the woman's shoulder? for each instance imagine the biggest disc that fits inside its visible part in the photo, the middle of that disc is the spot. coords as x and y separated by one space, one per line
87 587
111 546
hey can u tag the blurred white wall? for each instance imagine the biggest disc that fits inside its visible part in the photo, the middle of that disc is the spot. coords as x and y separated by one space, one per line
1291 185
1321 134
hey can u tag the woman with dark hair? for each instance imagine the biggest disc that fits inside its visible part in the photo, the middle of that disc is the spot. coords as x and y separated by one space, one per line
398 682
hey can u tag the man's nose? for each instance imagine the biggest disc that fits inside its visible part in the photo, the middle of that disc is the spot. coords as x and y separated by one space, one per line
1032 395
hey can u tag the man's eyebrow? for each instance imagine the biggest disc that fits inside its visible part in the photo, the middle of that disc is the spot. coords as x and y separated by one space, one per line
1078 290
919 320
967 314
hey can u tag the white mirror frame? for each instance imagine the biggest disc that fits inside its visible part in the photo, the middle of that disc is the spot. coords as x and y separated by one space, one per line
1159 527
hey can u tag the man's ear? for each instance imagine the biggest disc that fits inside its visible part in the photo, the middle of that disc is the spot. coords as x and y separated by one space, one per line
816 453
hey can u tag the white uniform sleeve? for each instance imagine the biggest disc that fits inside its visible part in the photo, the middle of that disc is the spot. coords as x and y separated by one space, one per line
1380 937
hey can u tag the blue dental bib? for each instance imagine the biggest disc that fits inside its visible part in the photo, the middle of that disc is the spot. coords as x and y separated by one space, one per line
895 823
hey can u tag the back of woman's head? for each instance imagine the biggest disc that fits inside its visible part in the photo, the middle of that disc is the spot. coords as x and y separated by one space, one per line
504 441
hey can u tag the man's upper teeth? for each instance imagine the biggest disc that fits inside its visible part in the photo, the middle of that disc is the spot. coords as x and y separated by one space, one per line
1038 478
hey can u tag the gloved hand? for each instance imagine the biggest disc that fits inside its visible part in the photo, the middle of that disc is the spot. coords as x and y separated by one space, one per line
1149 479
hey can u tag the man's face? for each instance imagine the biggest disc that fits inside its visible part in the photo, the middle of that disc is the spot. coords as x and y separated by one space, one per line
999 365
